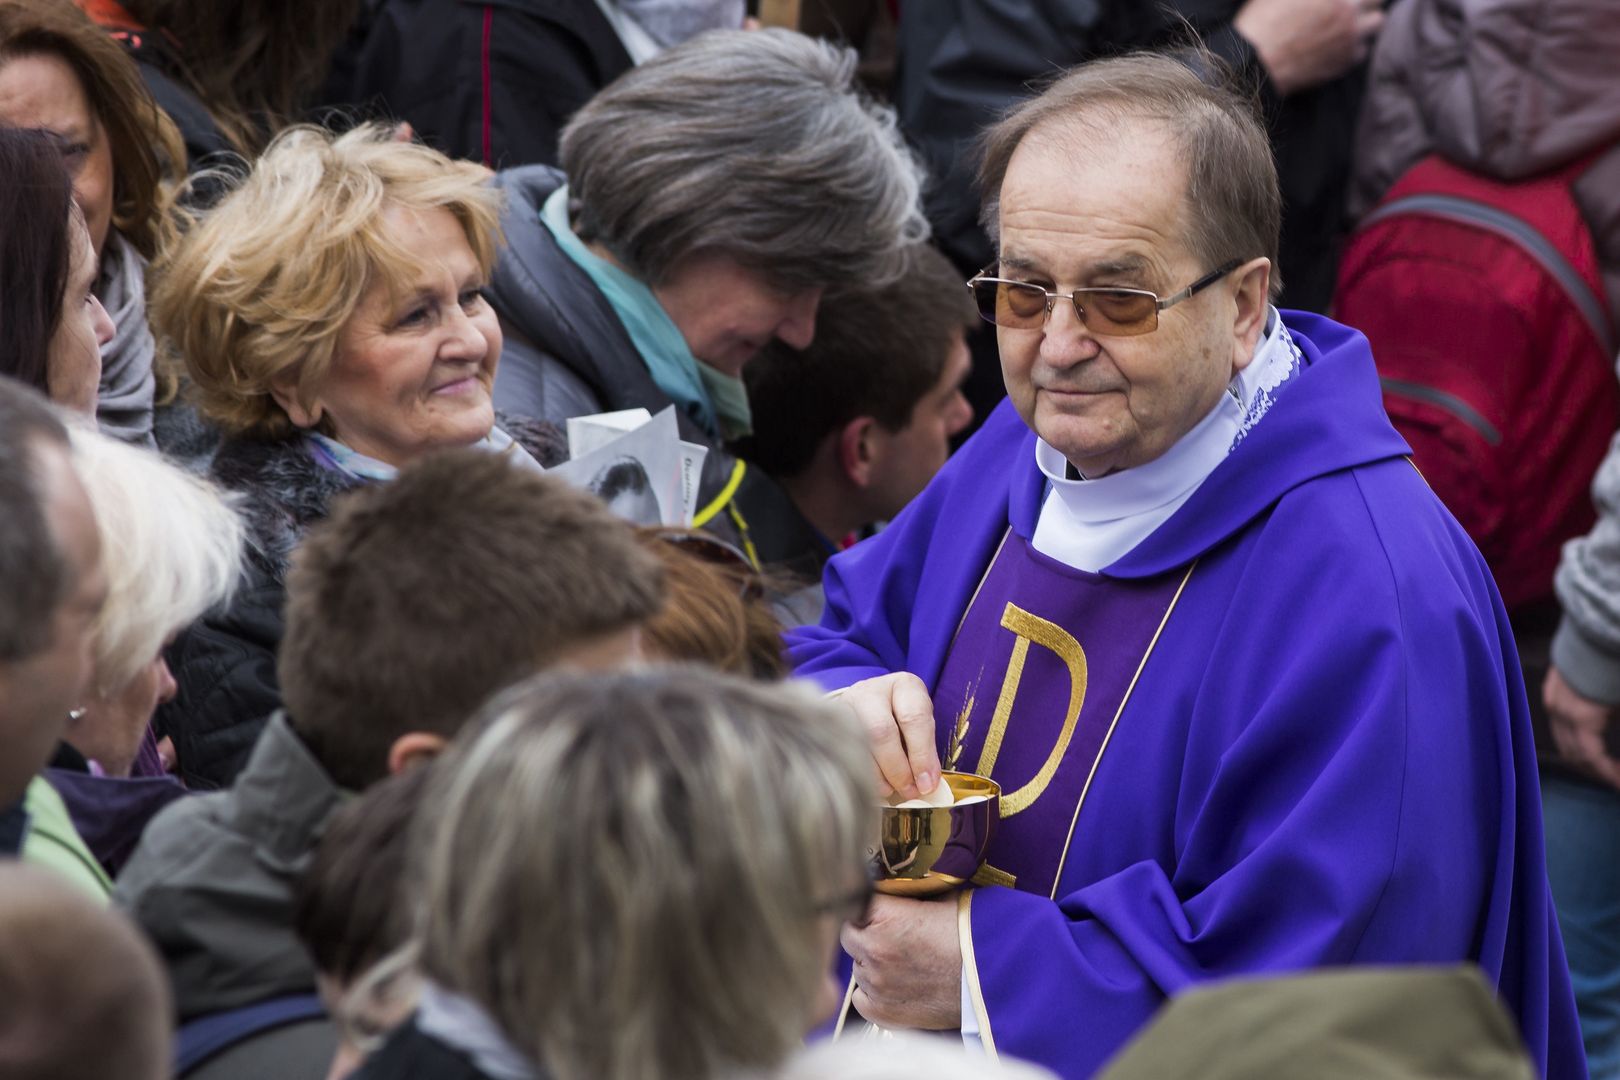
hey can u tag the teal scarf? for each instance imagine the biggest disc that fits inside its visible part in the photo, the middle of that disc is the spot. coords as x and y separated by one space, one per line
716 402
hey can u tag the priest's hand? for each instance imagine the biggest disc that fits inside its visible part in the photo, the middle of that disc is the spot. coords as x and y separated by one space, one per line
908 963
898 716
1579 726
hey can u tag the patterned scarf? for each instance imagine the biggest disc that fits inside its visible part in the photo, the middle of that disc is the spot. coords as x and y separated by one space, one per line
352 463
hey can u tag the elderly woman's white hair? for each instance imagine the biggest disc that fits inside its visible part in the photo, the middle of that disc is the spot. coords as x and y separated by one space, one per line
641 876
171 549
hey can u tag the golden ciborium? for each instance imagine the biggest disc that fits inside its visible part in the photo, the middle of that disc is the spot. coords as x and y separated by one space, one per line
929 850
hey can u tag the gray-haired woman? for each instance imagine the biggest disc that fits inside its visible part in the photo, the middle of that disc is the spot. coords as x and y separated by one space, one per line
706 200
636 876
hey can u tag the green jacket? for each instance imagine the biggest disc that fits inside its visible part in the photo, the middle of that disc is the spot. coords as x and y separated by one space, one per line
1349 1024
53 841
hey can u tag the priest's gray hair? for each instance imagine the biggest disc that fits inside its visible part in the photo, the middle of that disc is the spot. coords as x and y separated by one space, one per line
752 145
1233 197
641 875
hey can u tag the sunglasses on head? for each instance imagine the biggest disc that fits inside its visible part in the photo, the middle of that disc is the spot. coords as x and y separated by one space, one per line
713 550
1022 305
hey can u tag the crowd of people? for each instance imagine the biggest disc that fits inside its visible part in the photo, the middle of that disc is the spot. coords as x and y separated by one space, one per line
352 733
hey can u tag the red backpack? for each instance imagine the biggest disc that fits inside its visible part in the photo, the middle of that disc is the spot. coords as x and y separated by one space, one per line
1484 307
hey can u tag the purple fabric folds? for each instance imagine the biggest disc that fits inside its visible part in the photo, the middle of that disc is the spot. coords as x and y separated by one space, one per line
1326 759
110 812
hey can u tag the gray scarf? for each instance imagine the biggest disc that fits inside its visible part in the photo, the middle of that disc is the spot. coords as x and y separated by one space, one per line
124 403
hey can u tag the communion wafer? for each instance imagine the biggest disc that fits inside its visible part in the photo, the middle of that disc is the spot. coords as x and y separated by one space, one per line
941 796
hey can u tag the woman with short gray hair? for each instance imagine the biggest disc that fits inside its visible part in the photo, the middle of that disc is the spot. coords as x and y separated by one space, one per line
638 876
706 200
748 145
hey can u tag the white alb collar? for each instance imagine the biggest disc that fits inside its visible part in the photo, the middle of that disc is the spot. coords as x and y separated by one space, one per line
1172 475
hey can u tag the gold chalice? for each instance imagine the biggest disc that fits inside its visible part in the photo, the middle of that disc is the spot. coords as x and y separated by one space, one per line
926 851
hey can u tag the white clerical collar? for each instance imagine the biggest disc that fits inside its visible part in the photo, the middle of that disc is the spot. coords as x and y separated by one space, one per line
1090 523
1146 488
1178 470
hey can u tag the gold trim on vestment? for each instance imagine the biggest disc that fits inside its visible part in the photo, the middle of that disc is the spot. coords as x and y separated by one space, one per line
989 875
970 972
976 590
1129 690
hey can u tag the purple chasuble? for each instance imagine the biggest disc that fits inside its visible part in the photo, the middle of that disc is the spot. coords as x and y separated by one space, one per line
1326 760
1038 675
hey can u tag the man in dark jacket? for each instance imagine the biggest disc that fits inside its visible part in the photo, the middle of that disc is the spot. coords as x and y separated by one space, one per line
490 82
855 426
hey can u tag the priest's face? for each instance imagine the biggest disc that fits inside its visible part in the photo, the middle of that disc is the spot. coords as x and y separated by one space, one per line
1086 205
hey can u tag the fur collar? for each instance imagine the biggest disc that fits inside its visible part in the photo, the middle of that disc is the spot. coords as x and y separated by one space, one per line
284 490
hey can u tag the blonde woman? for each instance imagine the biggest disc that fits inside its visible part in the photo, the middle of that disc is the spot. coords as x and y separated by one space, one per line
639 876
171 549
330 315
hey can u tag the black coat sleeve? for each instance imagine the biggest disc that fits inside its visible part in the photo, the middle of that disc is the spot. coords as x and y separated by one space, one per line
225 670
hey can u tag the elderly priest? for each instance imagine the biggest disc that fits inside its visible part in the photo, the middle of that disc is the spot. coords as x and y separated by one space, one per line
1246 686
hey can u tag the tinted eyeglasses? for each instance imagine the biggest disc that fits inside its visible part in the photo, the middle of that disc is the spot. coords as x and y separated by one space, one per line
1021 305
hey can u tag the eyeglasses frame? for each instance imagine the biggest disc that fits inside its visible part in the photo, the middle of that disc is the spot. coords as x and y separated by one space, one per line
854 906
1053 297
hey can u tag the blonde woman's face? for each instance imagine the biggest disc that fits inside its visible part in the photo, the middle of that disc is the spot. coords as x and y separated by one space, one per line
413 372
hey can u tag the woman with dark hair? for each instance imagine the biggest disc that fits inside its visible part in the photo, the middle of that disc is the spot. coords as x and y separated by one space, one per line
51 324
61 75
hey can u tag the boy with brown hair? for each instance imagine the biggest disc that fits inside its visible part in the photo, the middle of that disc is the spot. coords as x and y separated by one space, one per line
408 607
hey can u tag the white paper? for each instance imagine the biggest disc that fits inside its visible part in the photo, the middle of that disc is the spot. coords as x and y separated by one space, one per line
692 455
589 433
639 473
